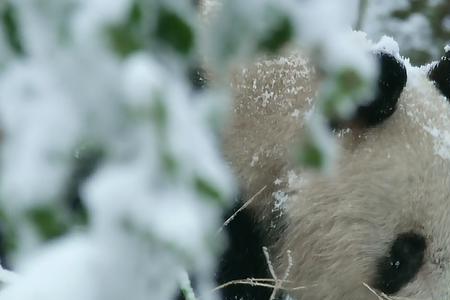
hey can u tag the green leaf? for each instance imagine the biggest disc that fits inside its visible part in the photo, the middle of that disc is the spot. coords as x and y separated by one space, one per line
46 222
310 155
159 113
9 22
208 190
175 32
9 234
279 36
125 37
349 81
170 164
345 88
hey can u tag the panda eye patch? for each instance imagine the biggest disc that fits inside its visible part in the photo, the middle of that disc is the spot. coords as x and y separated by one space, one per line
440 74
401 264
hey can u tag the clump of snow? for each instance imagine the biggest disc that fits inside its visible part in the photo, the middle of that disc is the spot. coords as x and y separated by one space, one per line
447 48
280 200
295 113
255 159
6 276
411 28
155 199
389 45
142 76
278 181
93 270
91 18
340 47
41 125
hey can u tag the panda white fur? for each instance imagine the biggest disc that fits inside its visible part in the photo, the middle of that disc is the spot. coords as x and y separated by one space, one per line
382 220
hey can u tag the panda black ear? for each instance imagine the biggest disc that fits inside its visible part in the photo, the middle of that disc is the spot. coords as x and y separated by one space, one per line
391 81
440 74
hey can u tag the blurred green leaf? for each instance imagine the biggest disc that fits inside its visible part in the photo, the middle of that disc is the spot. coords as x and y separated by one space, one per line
8 233
208 190
279 36
175 31
310 155
159 113
342 90
349 81
46 222
125 37
170 164
10 25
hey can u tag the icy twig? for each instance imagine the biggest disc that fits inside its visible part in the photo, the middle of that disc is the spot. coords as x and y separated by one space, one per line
273 283
247 203
278 282
262 282
383 296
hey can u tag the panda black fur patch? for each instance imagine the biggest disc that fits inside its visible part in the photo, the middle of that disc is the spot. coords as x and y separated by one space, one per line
401 264
391 81
440 75
244 258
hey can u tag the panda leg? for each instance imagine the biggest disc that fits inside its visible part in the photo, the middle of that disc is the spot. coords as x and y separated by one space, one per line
244 258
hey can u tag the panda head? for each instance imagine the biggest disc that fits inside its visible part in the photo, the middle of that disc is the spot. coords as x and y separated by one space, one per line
382 222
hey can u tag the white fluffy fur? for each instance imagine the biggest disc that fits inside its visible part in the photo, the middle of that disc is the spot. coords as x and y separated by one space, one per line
390 179
271 98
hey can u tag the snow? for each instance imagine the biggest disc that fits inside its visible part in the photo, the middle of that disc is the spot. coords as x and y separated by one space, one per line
280 200
41 126
413 32
7 276
447 48
43 278
388 45
155 200
340 47
93 16
142 76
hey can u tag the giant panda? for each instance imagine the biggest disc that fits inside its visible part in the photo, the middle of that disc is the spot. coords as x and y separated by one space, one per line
378 227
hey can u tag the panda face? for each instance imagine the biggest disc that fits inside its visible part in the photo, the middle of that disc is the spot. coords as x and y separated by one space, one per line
381 222
383 218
